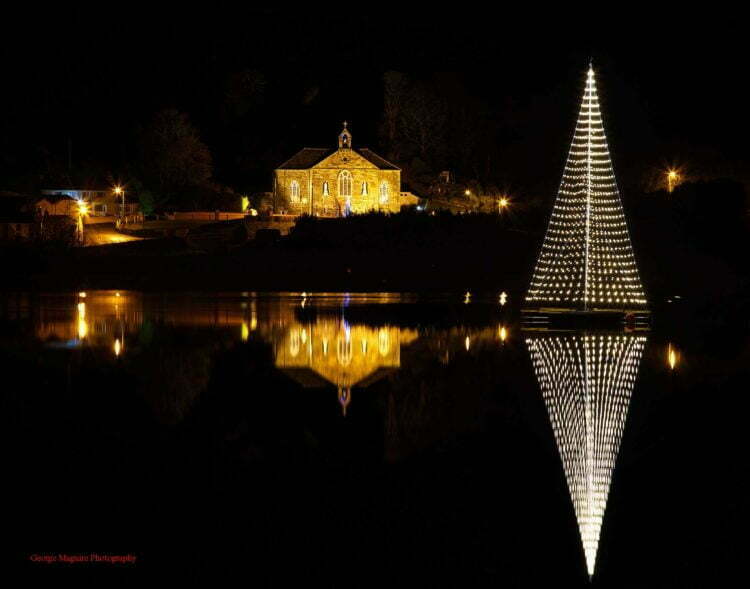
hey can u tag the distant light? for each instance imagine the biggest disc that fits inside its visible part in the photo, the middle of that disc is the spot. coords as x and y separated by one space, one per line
503 298
467 297
673 179
245 203
467 343
82 294
245 334
118 189
502 333
672 357
118 347
468 192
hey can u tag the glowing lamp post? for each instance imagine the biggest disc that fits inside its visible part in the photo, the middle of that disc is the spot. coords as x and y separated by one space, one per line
502 204
120 192
673 178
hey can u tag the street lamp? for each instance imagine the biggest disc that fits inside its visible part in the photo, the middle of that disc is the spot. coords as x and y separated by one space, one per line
673 179
503 203
120 192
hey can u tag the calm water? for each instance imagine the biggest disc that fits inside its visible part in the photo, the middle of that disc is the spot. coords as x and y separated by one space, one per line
359 439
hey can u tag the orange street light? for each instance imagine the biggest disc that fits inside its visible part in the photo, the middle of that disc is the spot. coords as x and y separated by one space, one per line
673 179
503 203
119 191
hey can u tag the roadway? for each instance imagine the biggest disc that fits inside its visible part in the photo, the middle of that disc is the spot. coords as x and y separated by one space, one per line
105 234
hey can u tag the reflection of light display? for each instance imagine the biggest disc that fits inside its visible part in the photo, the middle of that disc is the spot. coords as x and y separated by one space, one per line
118 347
587 259
502 333
586 382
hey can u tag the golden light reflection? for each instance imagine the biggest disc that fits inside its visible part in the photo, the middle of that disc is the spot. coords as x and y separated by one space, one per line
673 357
362 353
467 343
83 327
118 347
245 332
467 297
502 333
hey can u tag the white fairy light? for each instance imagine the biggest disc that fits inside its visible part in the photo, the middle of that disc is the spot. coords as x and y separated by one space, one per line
586 382
587 261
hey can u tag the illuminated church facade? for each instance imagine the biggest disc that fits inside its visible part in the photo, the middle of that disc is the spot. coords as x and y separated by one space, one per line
337 182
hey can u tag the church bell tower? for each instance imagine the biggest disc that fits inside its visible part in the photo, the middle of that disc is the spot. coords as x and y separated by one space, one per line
345 138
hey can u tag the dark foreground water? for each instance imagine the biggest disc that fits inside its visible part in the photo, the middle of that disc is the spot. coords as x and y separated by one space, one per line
351 440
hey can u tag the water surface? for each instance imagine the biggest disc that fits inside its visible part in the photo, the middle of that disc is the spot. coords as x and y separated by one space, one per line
367 438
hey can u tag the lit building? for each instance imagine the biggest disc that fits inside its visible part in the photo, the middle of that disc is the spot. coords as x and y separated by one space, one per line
101 203
337 182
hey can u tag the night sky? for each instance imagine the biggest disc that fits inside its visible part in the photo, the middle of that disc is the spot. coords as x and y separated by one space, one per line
672 89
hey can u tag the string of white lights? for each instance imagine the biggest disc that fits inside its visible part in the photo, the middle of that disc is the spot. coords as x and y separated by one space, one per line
587 260
586 383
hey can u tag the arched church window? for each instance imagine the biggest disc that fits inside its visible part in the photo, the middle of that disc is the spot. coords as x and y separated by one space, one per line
325 189
384 342
344 351
383 193
364 189
294 343
294 190
345 184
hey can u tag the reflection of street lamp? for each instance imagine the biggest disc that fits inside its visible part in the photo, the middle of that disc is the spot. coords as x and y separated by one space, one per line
83 209
673 178
672 357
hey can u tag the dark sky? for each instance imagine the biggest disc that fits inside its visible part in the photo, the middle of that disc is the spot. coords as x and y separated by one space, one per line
672 88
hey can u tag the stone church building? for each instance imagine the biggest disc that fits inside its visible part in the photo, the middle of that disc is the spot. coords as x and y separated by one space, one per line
337 182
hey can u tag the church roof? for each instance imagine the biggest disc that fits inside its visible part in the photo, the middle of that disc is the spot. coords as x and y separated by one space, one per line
306 158
374 158
309 156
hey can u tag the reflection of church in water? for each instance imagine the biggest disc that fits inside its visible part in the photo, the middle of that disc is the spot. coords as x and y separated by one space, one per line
330 351
587 381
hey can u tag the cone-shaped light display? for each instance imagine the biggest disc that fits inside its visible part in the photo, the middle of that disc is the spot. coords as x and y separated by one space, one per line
586 382
587 262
